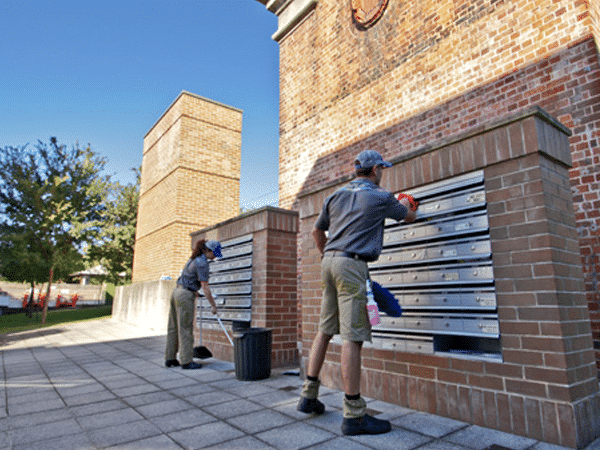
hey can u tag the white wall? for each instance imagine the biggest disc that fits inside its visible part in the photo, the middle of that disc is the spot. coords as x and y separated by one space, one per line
144 304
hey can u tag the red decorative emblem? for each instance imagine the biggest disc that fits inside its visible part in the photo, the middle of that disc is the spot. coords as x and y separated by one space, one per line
367 12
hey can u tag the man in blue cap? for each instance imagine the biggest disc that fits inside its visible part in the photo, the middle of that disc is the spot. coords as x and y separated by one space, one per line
354 219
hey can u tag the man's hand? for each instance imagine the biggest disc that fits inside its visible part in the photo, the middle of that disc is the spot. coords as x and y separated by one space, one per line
412 203
411 215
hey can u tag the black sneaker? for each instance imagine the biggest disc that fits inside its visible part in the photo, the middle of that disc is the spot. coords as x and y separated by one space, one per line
310 406
365 425
171 363
191 365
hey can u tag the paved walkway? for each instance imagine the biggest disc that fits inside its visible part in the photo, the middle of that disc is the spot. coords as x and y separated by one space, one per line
103 385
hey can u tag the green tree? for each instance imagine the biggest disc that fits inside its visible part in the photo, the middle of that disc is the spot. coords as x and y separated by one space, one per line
116 240
50 205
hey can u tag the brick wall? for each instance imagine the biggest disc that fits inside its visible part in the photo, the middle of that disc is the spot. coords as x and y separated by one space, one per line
430 70
546 386
274 299
190 180
418 56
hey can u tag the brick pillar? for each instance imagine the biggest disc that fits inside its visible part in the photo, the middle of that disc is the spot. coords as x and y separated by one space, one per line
545 386
274 288
190 180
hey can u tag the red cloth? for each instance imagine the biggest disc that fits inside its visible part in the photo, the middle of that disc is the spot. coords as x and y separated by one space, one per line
413 203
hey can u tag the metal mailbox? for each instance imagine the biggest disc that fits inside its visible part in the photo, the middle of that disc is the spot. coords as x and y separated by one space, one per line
440 269
231 283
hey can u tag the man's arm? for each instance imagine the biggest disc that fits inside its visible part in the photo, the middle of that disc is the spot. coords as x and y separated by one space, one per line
320 239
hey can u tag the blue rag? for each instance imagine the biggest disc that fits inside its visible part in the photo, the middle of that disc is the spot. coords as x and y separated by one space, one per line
386 301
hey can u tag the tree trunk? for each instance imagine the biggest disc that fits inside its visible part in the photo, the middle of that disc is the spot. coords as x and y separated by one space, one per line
30 302
45 309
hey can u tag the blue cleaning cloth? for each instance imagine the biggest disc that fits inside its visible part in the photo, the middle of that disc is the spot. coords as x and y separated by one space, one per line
386 301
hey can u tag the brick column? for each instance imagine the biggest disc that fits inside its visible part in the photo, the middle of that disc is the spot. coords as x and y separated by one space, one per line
274 299
545 387
190 179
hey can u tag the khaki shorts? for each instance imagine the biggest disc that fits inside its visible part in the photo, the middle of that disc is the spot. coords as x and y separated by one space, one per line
344 304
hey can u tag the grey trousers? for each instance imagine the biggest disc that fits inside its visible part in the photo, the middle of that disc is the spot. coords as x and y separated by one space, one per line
180 329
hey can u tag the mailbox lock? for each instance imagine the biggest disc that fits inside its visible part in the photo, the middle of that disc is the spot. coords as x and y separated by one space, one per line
417 300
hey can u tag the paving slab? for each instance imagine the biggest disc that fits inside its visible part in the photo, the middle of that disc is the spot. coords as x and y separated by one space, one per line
206 435
181 420
340 443
479 438
103 385
161 442
162 408
123 433
109 419
232 409
295 436
70 442
97 408
260 420
33 434
245 443
428 424
397 439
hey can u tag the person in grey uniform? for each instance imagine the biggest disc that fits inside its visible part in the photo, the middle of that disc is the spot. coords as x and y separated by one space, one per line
180 330
349 233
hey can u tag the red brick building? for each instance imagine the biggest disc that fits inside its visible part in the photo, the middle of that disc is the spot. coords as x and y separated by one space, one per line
425 84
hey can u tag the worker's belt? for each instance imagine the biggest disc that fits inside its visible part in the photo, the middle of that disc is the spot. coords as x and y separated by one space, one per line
186 288
347 255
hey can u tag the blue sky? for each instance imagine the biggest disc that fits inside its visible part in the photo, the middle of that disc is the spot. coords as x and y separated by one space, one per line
104 72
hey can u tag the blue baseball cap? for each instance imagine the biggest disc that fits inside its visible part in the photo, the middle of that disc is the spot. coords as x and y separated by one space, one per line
215 247
370 158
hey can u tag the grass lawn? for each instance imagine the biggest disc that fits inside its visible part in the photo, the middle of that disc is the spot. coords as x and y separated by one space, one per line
11 323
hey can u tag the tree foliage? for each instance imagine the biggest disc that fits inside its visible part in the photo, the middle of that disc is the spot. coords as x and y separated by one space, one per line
51 203
116 240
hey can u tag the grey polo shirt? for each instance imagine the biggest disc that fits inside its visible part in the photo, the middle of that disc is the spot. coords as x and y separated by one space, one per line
195 271
355 215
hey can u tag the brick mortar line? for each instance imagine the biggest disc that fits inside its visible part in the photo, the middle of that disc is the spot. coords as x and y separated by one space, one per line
176 222
178 119
191 170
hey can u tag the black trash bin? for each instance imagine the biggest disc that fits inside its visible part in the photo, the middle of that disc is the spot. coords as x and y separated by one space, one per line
252 353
